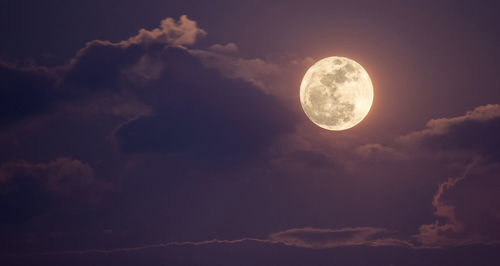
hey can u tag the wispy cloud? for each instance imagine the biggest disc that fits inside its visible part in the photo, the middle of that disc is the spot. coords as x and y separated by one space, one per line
307 237
153 246
317 238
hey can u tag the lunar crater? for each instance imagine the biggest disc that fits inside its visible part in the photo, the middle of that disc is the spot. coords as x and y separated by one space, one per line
340 76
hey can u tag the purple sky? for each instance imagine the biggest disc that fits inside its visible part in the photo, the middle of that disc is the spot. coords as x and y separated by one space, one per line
171 133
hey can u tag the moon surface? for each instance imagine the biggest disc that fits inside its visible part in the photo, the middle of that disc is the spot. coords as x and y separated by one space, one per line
336 93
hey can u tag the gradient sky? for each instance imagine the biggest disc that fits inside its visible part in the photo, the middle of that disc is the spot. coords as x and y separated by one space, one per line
171 133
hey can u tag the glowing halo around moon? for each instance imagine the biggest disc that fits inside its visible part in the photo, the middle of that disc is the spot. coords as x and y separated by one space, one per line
336 93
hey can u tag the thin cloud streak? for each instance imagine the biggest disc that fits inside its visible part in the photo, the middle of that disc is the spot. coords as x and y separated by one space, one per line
394 242
152 246
307 237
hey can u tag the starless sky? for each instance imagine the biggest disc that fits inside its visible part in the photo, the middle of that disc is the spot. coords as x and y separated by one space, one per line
171 133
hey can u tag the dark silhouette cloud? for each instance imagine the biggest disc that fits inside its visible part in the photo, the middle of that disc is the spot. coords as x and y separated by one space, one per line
470 144
200 112
98 67
30 90
28 189
25 91
196 110
100 64
477 131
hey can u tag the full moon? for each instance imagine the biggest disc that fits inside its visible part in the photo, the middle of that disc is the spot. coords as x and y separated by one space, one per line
336 93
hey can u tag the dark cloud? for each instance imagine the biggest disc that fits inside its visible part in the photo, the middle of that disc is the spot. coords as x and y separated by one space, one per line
148 94
477 131
468 146
447 230
198 111
100 64
470 142
472 135
24 91
98 67
28 189
462 216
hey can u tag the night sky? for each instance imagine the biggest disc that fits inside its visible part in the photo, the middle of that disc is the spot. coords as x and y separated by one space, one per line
171 133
